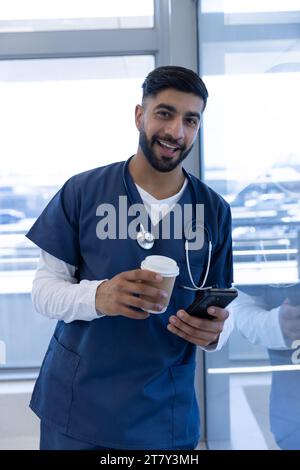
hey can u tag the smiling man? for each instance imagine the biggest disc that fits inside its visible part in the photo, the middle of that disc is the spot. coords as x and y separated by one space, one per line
174 119
115 376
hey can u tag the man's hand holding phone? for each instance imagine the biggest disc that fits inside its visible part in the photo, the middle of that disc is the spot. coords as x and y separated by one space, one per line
204 319
196 330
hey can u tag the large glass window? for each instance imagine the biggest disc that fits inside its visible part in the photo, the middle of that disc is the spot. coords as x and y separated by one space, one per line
58 117
34 15
250 61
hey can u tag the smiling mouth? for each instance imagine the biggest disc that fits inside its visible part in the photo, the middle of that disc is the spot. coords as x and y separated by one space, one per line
169 148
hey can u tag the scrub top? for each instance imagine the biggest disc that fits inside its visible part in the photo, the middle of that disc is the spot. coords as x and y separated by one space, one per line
114 381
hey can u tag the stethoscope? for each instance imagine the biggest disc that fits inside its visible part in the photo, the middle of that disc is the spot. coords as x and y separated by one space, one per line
146 239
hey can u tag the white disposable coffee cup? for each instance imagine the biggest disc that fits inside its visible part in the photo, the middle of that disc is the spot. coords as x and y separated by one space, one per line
168 269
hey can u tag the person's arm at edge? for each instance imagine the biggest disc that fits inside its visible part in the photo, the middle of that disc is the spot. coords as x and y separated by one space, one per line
57 294
256 323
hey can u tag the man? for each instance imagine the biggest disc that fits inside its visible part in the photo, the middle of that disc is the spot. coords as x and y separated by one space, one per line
115 376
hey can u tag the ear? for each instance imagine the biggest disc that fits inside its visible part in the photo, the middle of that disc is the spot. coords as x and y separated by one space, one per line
139 111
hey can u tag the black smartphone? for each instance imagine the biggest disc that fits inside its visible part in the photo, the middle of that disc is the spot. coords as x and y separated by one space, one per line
211 297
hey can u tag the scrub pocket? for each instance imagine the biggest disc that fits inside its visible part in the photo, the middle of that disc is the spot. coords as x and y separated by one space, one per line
185 407
53 391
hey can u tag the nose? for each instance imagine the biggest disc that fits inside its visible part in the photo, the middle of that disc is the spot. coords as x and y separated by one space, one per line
176 128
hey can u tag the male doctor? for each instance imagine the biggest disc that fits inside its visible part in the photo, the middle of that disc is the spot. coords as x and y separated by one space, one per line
115 376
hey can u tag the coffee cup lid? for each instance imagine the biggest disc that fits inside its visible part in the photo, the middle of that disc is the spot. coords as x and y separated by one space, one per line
161 264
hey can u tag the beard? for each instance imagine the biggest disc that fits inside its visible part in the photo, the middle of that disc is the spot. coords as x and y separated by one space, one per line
164 164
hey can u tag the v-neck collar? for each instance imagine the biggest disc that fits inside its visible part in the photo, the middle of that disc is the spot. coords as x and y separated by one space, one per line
135 197
133 193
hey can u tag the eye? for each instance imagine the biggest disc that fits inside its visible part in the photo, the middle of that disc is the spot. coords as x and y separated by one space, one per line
193 122
164 114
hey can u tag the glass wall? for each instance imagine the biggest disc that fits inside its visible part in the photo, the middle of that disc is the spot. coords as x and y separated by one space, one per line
70 77
59 117
250 61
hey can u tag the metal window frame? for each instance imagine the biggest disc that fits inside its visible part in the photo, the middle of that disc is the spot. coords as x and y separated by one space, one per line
88 43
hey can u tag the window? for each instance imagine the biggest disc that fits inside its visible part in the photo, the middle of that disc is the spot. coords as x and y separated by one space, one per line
59 117
49 15
250 61
70 76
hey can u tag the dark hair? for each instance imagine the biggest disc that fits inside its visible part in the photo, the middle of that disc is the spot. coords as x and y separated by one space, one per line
172 76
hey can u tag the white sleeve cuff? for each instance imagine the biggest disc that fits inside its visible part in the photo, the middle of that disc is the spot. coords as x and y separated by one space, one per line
85 308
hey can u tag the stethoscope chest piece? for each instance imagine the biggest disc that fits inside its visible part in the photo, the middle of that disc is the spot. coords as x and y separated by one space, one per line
145 239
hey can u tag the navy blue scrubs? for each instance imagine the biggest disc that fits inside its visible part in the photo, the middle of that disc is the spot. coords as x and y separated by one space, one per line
117 382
